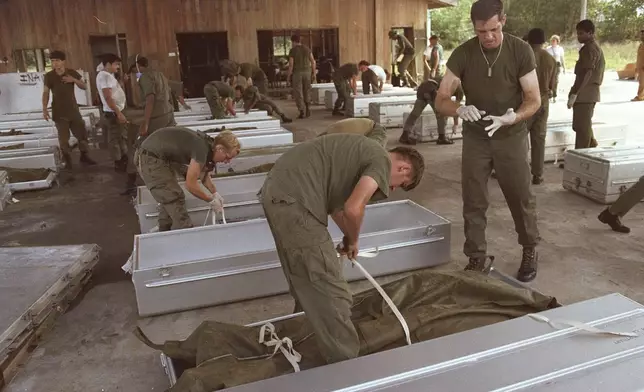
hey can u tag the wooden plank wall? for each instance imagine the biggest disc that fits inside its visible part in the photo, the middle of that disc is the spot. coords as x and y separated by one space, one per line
150 25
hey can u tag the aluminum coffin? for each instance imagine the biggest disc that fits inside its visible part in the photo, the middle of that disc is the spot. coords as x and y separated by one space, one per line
210 265
318 91
84 110
516 355
252 157
560 139
330 96
194 116
6 125
426 127
232 123
239 193
358 106
391 114
602 174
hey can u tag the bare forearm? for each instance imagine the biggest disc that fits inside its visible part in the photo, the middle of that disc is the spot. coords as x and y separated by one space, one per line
209 184
352 222
528 108
45 101
81 85
111 104
447 107
197 191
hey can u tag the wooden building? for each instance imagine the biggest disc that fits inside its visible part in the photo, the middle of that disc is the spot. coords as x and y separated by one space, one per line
188 37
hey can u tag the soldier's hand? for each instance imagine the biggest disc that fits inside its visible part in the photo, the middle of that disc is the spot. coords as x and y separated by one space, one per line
346 248
45 115
470 113
508 118
571 100
121 118
143 129
217 204
68 79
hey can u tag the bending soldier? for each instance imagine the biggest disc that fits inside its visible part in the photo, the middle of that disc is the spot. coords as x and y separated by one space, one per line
344 79
254 100
219 96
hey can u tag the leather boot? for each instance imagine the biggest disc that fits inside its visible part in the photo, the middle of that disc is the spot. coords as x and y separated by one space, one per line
537 180
405 139
285 119
67 160
442 139
480 264
86 160
130 185
301 116
528 270
308 111
613 221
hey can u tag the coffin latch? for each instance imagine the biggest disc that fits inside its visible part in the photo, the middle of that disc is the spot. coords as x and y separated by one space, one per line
165 272
430 231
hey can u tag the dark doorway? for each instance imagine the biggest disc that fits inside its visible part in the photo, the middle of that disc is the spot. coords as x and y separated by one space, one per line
200 54
102 44
275 45
408 32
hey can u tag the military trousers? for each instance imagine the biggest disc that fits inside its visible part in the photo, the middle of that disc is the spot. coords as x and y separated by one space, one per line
74 125
261 82
557 73
213 98
629 199
537 127
313 271
417 111
269 106
640 88
404 70
344 93
135 117
161 180
370 82
509 158
301 81
116 136
582 124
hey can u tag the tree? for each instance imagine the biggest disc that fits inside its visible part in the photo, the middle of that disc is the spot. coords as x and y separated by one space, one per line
453 24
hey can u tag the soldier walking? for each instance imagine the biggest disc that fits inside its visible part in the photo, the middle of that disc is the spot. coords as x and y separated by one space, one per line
254 100
301 72
405 54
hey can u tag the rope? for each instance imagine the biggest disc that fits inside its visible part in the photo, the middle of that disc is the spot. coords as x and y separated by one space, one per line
382 292
284 345
214 217
579 325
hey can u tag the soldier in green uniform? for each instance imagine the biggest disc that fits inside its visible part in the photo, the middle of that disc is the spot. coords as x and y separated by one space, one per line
359 126
172 146
345 81
405 54
254 100
229 68
337 175
301 72
256 74
611 215
584 94
426 95
60 81
497 72
538 124
220 98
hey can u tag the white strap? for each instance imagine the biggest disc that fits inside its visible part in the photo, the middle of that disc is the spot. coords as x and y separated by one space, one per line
384 295
579 325
285 345
556 159
214 217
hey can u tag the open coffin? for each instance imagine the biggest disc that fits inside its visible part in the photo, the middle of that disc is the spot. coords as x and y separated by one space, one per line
318 91
204 266
30 172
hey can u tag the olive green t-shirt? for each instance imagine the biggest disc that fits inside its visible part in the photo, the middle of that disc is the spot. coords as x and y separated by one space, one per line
224 89
498 93
252 93
301 58
249 70
546 69
63 104
229 67
404 46
347 71
321 173
178 145
155 83
591 58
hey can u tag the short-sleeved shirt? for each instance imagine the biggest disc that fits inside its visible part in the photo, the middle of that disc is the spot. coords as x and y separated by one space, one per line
105 80
252 93
404 46
153 82
347 71
321 173
557 52
224 89
500 92
229 67
63 103
435 50
252 71
379 71
301 55
546 69
591 58
178 145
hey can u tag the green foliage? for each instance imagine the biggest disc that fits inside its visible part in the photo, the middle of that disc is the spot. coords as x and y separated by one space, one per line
452 24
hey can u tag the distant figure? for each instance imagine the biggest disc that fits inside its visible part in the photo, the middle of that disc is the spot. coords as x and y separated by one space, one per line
256 75
325 70
405 54
253 99
639 69
344 79
219 96
373 77
432 59
557 52
301 71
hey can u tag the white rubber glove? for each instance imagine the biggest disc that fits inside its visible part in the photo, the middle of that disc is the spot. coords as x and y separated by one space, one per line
217 203
571 100
508 118
469 113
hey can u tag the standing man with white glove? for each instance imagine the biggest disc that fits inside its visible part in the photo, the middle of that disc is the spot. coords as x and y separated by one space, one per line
497 73
173 146
584 94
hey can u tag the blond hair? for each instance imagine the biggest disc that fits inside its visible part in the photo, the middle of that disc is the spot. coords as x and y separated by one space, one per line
555 37
228 141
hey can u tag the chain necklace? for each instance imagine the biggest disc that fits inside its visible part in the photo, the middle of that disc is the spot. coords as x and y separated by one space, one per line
489 67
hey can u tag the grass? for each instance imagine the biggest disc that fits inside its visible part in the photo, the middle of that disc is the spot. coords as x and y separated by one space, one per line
617 55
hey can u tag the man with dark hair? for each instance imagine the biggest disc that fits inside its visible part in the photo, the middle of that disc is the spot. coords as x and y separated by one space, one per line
253 99
60 81
336 174
373 77
301 72
432 59
538 124
405 54
344 79
584 94
256 74
497 72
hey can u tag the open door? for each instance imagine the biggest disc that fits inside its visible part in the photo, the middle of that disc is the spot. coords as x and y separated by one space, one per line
102 44
408 32
199 54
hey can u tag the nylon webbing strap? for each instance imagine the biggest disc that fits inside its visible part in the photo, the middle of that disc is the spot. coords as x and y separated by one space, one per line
558 324
269 338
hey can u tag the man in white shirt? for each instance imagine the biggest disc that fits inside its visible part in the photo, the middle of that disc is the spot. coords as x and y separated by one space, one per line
557 52
113 99
432 58
373 76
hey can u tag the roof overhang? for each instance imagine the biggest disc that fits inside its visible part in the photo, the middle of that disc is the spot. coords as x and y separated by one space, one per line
441 3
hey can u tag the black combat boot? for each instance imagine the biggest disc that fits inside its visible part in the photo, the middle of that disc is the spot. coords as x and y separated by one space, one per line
86 160
442 139
301 116
308 111
130 185
405 139
536 180
613 221
67 159
118 166
528 270
479 264
285 119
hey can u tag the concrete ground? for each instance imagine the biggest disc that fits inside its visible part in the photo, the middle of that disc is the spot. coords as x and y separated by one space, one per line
92 347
